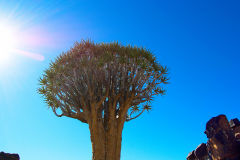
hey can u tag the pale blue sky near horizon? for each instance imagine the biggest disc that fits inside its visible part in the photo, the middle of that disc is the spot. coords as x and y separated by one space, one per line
198 40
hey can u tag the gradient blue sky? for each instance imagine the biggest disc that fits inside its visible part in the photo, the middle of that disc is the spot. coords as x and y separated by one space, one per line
198 40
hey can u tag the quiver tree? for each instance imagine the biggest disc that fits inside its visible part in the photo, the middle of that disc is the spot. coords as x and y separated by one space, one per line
103 85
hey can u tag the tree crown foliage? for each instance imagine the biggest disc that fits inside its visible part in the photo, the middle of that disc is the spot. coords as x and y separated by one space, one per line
103 77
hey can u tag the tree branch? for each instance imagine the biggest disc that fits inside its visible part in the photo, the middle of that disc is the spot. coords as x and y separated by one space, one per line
54 111
129 119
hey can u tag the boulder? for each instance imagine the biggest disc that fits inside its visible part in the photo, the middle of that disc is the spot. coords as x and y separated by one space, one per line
8 156
221 143
217 124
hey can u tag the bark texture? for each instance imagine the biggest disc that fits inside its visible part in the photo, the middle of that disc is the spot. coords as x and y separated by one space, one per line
106 140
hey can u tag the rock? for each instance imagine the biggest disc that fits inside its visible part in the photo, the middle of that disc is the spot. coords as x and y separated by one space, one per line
237 136
217 124
191 156
8 156
201 152
222 143
234 123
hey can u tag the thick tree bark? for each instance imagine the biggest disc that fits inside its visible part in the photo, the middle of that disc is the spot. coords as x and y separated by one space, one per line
106 133
106 144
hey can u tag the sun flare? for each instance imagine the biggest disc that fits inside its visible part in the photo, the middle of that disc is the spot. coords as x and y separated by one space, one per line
7 43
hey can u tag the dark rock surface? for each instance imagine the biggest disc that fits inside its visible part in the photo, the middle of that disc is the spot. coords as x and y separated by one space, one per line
223 141
8 156
191 156
201 152
234 123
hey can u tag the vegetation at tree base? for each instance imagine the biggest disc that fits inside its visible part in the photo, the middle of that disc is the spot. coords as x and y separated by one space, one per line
103 85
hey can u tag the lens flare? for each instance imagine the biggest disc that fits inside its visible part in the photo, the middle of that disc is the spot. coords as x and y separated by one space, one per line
7 43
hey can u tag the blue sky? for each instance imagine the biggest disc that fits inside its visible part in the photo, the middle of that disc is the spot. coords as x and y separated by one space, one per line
197 40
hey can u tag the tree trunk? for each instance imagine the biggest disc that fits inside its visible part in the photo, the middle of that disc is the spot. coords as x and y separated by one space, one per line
106 144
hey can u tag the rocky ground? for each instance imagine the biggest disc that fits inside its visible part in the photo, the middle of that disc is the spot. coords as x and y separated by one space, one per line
223 141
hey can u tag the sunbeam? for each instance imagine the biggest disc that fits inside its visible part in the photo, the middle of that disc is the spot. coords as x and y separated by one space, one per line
31 55
7 43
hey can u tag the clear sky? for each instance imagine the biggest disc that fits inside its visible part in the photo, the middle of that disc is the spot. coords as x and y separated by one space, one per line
198 40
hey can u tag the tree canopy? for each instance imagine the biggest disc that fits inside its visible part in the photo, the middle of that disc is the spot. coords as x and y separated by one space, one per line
108 79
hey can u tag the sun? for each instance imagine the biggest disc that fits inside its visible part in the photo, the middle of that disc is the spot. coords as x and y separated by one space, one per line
11 40
7 43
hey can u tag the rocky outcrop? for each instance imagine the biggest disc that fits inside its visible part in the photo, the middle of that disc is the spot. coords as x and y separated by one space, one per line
201 152
8 156
223 141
